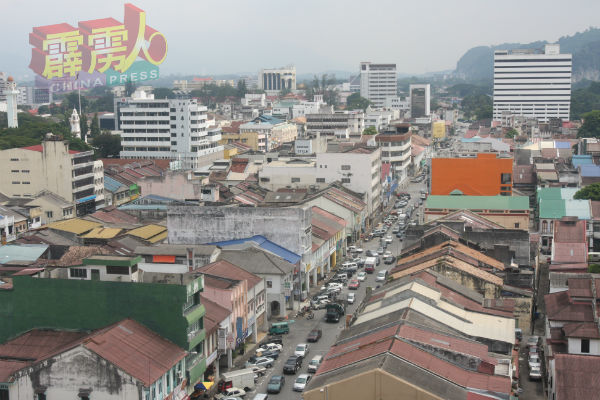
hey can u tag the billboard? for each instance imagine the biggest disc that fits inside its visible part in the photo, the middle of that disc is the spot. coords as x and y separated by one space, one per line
96 53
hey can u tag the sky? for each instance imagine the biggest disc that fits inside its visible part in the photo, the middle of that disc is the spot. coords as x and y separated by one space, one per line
208 37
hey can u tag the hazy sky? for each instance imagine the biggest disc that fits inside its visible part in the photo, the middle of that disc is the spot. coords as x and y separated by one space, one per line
236 36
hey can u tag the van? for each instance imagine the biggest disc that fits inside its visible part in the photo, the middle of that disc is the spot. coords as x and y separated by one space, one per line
313 365
278 328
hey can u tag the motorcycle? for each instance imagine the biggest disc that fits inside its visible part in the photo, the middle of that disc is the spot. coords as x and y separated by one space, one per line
311 315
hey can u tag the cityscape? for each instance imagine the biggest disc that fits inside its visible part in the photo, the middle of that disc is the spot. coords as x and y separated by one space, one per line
312 228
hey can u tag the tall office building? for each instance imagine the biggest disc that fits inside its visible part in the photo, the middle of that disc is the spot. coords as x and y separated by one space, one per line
532 83
420 99
277 79
173 129
378 82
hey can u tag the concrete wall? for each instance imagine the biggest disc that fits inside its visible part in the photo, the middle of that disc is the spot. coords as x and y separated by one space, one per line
288 227
174 184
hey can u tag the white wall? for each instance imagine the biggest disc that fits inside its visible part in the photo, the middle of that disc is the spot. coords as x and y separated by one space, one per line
574 347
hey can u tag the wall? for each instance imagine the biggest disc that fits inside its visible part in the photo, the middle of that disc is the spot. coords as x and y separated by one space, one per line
472 176
175 185
66 373
248 138
485 288
574 347
288 227
507 221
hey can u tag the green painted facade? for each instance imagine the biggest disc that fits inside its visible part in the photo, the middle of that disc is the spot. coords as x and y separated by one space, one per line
87 304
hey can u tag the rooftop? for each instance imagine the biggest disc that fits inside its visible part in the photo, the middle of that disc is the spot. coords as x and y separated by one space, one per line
478 202
21 253
74 225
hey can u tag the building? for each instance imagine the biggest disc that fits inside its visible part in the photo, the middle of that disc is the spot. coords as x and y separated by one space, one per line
45 363
271 132
378 82
11 92
395 144
52 167
420 99
173 129
532 83
339 124
275 80
511 212
486 175
438 130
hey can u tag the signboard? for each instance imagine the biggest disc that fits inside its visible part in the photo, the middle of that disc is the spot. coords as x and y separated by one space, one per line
97 52
221 339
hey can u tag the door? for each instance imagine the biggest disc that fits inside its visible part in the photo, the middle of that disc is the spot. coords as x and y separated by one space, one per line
95 274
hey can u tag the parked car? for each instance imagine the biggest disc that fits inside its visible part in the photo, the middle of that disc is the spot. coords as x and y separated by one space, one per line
301 382
389 260
301 349
350 298
380 250
358 250
535 374
274 354
277 339
534 361
270 346
533 341
266 362
362 275
231 392
381 276
354 284
292 364
275 384
313 365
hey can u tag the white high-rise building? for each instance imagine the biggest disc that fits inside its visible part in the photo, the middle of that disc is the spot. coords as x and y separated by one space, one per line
173 129
276 79
378 82
11 93
532 84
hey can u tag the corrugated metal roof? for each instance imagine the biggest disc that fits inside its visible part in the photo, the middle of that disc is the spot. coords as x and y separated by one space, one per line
590 170
111 184
478 202
578 208
74 225
159 237
556 193
548 175
102 233
266 244
552 208
22 252
147 231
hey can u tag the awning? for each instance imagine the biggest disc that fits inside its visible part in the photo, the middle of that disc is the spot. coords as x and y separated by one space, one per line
203 386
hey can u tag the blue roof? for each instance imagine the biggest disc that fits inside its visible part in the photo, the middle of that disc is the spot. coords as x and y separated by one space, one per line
590 170
267 119
266 244
21 252
580 160
562 145
111 184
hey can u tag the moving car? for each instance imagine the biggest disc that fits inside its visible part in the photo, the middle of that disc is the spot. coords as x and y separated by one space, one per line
313 365
381 276
354 284
292 365
389 260
301 349
301 382
266 362
389 239
362 275
314 335
278 328
275 384
350 299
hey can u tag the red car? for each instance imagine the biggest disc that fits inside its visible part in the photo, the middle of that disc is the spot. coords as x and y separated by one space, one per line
354 284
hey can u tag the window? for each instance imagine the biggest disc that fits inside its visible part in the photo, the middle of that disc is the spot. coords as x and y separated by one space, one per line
14 159
517 225
505 179
25 171
269 284
294 180
264 179
49 214
346 167
345 180
505 188
320 180
116 270
14 170
78 273
26 183
585 345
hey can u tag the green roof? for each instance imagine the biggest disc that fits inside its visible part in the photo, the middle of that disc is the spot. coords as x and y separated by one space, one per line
556 193
552 208
478 202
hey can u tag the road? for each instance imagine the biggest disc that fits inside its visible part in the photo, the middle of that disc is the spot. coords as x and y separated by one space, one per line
300 328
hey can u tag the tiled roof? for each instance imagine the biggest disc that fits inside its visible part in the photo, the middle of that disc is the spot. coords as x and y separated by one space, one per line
580 287
572 231
571 253
226 269
454 248
215 314
113 216
219 283
575 377
523 174
595 207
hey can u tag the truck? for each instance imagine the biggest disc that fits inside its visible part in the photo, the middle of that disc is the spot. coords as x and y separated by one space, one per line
241 378
370 264
335 311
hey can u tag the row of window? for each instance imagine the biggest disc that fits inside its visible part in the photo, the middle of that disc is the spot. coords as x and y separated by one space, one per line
21 183
16 171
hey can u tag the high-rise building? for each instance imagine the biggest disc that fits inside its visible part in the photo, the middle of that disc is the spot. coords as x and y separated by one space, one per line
11 93
420 99
174 129
378 82
532 83
277 79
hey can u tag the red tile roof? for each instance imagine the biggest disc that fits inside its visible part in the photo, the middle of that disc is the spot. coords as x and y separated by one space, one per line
330 216
416 150
238 165
114 216
227 270
575 377
234 128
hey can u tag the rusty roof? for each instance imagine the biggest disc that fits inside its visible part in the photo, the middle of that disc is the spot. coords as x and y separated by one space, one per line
215 314
225 269
575 377
582 330
569 230
559 307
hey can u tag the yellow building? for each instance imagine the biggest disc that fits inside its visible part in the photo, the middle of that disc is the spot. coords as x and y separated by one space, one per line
250 139
438 129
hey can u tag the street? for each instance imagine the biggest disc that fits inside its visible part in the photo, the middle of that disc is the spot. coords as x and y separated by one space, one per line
300 327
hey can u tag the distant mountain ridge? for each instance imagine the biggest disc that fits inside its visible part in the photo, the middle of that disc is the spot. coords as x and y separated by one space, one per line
477 64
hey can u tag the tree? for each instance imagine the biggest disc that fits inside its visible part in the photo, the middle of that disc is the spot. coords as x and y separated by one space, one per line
479 106
95 128
370 131
590 192
163 93
511 133
43 109
591 125
355 102
129 88
106 145
241 88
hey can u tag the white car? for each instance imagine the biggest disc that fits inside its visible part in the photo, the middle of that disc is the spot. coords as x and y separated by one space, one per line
534 361
387 254
350 298
358 250
301 382
232 392
361 276
301 350
270 347
388 239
